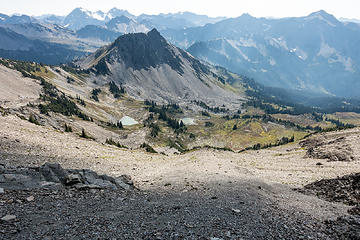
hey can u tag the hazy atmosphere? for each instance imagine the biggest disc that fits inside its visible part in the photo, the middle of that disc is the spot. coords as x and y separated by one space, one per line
228 8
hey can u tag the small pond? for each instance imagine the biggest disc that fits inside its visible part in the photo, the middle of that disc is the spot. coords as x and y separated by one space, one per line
188 121
128 121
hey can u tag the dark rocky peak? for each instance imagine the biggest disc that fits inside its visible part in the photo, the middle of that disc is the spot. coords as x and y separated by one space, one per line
155 35
153 38
142 51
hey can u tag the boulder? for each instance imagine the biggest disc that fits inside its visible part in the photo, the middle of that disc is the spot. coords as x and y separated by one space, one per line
73 179
8 218
124 182
53 172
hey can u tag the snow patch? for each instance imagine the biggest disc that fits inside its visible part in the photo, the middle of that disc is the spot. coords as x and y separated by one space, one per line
299 53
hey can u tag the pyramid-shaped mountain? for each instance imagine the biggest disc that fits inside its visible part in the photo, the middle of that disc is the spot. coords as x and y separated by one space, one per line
151 68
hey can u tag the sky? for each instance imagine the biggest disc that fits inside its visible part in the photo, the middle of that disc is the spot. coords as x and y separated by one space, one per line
227 8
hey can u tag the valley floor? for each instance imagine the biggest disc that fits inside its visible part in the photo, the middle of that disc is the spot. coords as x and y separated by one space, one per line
203 194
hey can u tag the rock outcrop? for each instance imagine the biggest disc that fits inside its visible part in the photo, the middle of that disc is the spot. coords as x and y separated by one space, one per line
53 176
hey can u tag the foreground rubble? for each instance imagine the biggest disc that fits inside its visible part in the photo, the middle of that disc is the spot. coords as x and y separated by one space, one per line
53 176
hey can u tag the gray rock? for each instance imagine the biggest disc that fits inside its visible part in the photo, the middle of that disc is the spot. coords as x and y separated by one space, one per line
53 172
30 199
73 179
2 191
8 218
53 176
121 184
124 182
236 210
90 176
105 184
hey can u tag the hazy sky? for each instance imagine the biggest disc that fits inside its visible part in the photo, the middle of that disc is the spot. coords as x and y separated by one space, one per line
229 8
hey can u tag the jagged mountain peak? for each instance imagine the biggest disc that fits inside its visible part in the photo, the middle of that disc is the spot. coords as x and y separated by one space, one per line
143 51
79 10
152 37
155 34
323 15
246 15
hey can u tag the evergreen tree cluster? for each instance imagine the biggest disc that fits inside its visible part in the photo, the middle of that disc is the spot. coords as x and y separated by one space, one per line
211 109
164 113
80 101
269 118
95 93
101 68
115 90
148 148
205 113
33 119
155 129
281 141
61 104
25 68
110 141
209 124
68 128
70 79
72 68
58 103
116 125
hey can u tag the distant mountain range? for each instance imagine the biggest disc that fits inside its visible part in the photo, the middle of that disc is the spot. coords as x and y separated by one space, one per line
350 20
80 18
316 52
16 46
84 31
